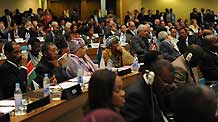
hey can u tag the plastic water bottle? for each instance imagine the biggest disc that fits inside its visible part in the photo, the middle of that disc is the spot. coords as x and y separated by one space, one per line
80 76
46 85
135 65
109 64
9 37
18 100
27 36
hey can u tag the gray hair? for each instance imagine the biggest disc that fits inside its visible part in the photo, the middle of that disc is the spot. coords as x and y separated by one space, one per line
162 35
141 27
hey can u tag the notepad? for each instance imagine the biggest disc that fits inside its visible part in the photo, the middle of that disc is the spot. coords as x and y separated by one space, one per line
6 110
7 103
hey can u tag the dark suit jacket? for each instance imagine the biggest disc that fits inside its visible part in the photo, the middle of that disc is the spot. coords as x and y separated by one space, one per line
58 39
10 75
139 45
138 106
191 40
4 19
209 66
168 51
44 67
130 32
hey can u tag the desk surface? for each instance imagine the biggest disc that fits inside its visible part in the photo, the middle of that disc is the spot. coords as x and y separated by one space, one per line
64 110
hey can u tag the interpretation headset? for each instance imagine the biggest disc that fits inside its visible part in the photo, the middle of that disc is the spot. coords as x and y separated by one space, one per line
149 79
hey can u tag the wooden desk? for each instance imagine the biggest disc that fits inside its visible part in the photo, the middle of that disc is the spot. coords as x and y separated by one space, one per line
63 110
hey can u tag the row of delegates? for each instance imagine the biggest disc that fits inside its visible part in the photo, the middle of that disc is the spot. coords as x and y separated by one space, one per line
50 65
78 59
119 56
105 91
13 70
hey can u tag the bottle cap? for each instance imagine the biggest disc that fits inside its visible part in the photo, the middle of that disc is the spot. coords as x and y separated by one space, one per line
46 75
17 85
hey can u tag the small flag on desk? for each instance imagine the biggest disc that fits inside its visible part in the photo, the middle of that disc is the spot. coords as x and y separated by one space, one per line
102 63
31 74
100 58
99 54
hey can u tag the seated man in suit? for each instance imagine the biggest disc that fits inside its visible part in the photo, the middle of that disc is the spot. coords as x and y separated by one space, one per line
112 30
146 100
186 64
50 65
13 70
139 43
34 54
55 36
124 37
131 29
167 47
119 56
185 40
209 64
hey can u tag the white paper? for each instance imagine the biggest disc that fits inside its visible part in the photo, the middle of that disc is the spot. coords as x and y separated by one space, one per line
41 39
94 45
121 68
66 85
6 110
19 40
7 102
85 79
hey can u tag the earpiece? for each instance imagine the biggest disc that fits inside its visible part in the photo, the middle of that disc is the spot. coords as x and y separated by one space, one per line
149 77
188 57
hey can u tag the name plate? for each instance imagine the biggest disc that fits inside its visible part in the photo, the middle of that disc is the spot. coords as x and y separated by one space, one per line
4 117
39 103
71 92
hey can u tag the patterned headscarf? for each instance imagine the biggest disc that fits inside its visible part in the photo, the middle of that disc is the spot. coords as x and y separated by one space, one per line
75 44
110 40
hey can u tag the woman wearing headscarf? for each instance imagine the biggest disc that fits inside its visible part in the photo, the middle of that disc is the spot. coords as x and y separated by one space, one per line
119 56
78 59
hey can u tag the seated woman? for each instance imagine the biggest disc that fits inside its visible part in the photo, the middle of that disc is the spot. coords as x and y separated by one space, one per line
119 56
78 59
105 91
89 37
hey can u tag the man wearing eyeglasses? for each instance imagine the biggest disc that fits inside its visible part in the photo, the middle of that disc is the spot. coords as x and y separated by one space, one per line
13 70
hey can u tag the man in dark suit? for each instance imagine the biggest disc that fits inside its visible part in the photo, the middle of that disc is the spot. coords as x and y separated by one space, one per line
131 29
50 65
141 16
13 70
166 46
7 18
145 100
150 17
55 36
194 14
186 40
95 16
209 64
139 43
